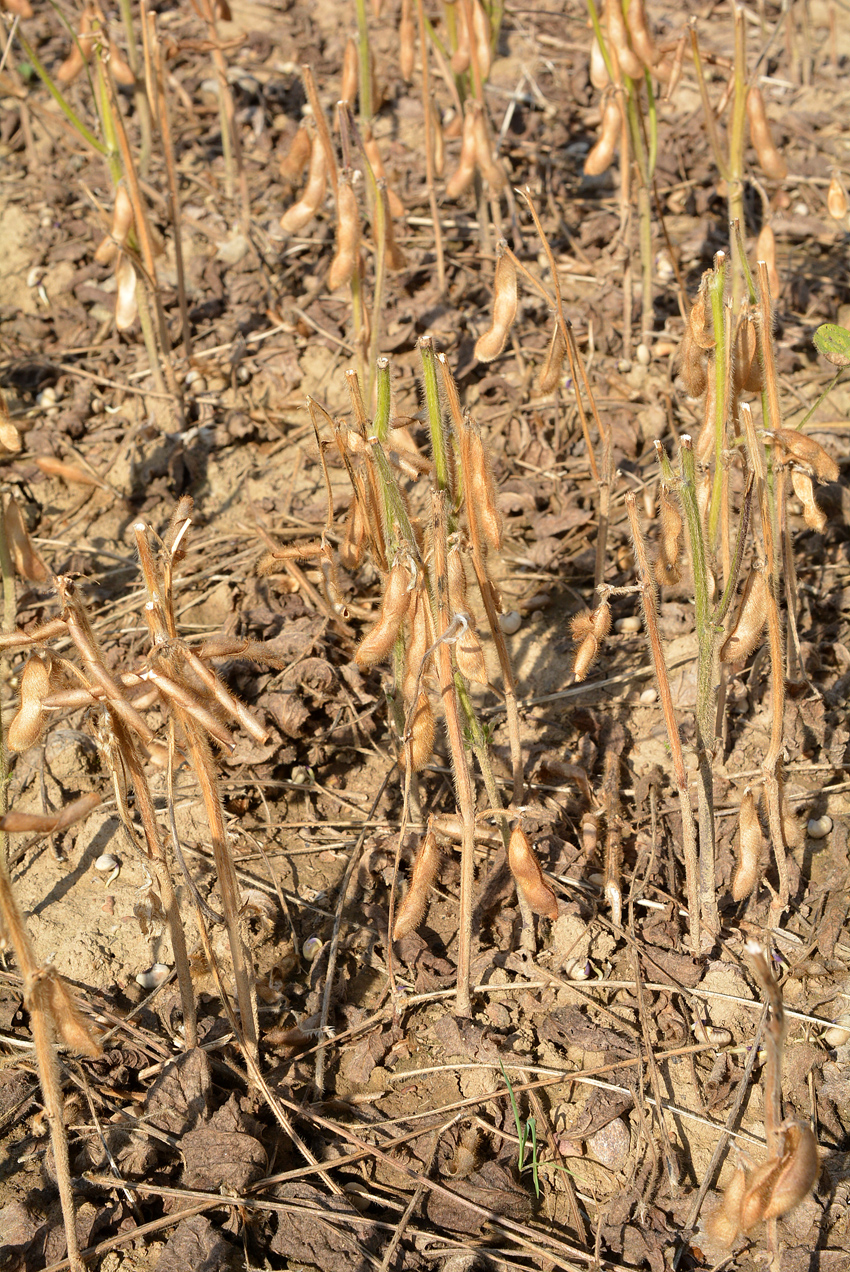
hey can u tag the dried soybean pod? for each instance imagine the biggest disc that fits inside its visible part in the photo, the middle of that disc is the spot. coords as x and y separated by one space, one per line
379 641
301 213
638 27
465 171
750 846
798 1171
601 620
347 235
836 199
297 156
505 299
618 38
72 1026
416 644
600 156
599 76
470 656
425 869
747 633
813 515
746 365
771 161
671 525
373 154
491 169
122 223
457 581
725 1222
760 1184
550 372
28 722
27 561
806 451
482 492
585 657
481 37
694 365
766 251
422 730
406 41
526 870
348 90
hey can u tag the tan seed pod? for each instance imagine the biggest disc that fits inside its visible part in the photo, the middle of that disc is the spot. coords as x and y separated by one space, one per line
694 365
618 40
526 870
481 38
581 626
379 641
373 154
670 524
422 730
750 847
348 91
746 364
28 563
354 540
585 657
68 472
798 1171
45 824
122 223
416 644
20 7
460 58
760 1183
126 308
73 64
505 299
813 515
804 450
465 171
456 571
439 140
481 497
766 251
836 199
301 213
347 235
638 28
28 722
600 157
700 320
406 41
10 438
550 372
725 1222
491 168
297 156
599 76
770 160
71 1025
426 867
602 620
746 635
470 657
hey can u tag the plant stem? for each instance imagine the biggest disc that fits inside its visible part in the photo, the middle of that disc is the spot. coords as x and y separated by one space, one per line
365 66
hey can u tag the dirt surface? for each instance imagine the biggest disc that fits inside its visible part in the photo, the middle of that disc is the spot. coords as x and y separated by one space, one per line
630 1054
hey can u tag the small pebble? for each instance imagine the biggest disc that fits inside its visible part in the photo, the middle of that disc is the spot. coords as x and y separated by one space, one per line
610 1146
108 906
630 624
510 623
311 948
46 220
819 827
648 696
153 976
644 357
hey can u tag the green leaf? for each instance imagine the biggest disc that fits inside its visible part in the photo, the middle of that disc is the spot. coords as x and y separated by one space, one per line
834 343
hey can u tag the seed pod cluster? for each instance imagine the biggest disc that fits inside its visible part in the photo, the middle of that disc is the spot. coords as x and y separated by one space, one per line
770 160
425 869
746 635
90 32
588 630
505 298
667 570
526 870
770 1190
476 151
301 213
378 642
750 846
805 452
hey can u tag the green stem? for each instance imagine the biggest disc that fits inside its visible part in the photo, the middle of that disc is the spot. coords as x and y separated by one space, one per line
718 315
54 92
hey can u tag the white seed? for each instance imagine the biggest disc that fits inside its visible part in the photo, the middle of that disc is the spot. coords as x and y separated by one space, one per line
299 775
311 948
819 827
47 397
106 862
630 624
718 1037
46 220
644 357
153 976
510 623
35 275
648 696
578 969
838 1035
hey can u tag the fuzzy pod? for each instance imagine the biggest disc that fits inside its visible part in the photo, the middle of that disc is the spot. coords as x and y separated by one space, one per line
599 76
28 563
746 635
526 870
68 472
373 154
422 731
481 495
354 539
119 232
585 657
481 38
348 89
694 365
347 235
804 450
746 365
126 308
798 1171
469 657
439 140
456 571
47 823
406 41
670 524
465 171
491 168
600 157
836 199
602 620
550 372
813 515
750 847
71 1025
301 213
378 642
766 251
505 300
297 156
426 867
641 37
416 645
28 722
700 321
770 160
618 40
725 1222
